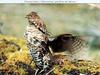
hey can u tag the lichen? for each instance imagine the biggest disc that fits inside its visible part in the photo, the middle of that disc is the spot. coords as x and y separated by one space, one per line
16 60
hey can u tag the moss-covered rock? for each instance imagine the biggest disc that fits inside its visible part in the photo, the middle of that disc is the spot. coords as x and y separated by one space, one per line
15 60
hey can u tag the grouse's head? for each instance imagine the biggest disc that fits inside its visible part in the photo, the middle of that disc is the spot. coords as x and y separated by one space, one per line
32 17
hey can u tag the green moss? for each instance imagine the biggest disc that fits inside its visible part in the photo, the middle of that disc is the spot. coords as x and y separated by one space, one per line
14 53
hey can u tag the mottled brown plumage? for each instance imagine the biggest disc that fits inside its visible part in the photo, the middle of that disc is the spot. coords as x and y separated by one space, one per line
37 37
35 20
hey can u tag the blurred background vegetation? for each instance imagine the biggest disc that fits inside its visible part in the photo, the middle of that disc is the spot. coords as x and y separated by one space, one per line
80 19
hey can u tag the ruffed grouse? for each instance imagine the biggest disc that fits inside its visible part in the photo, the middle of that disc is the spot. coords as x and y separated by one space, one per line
44 51
37 37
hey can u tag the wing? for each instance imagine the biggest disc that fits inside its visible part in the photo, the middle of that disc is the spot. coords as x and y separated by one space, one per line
71 46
